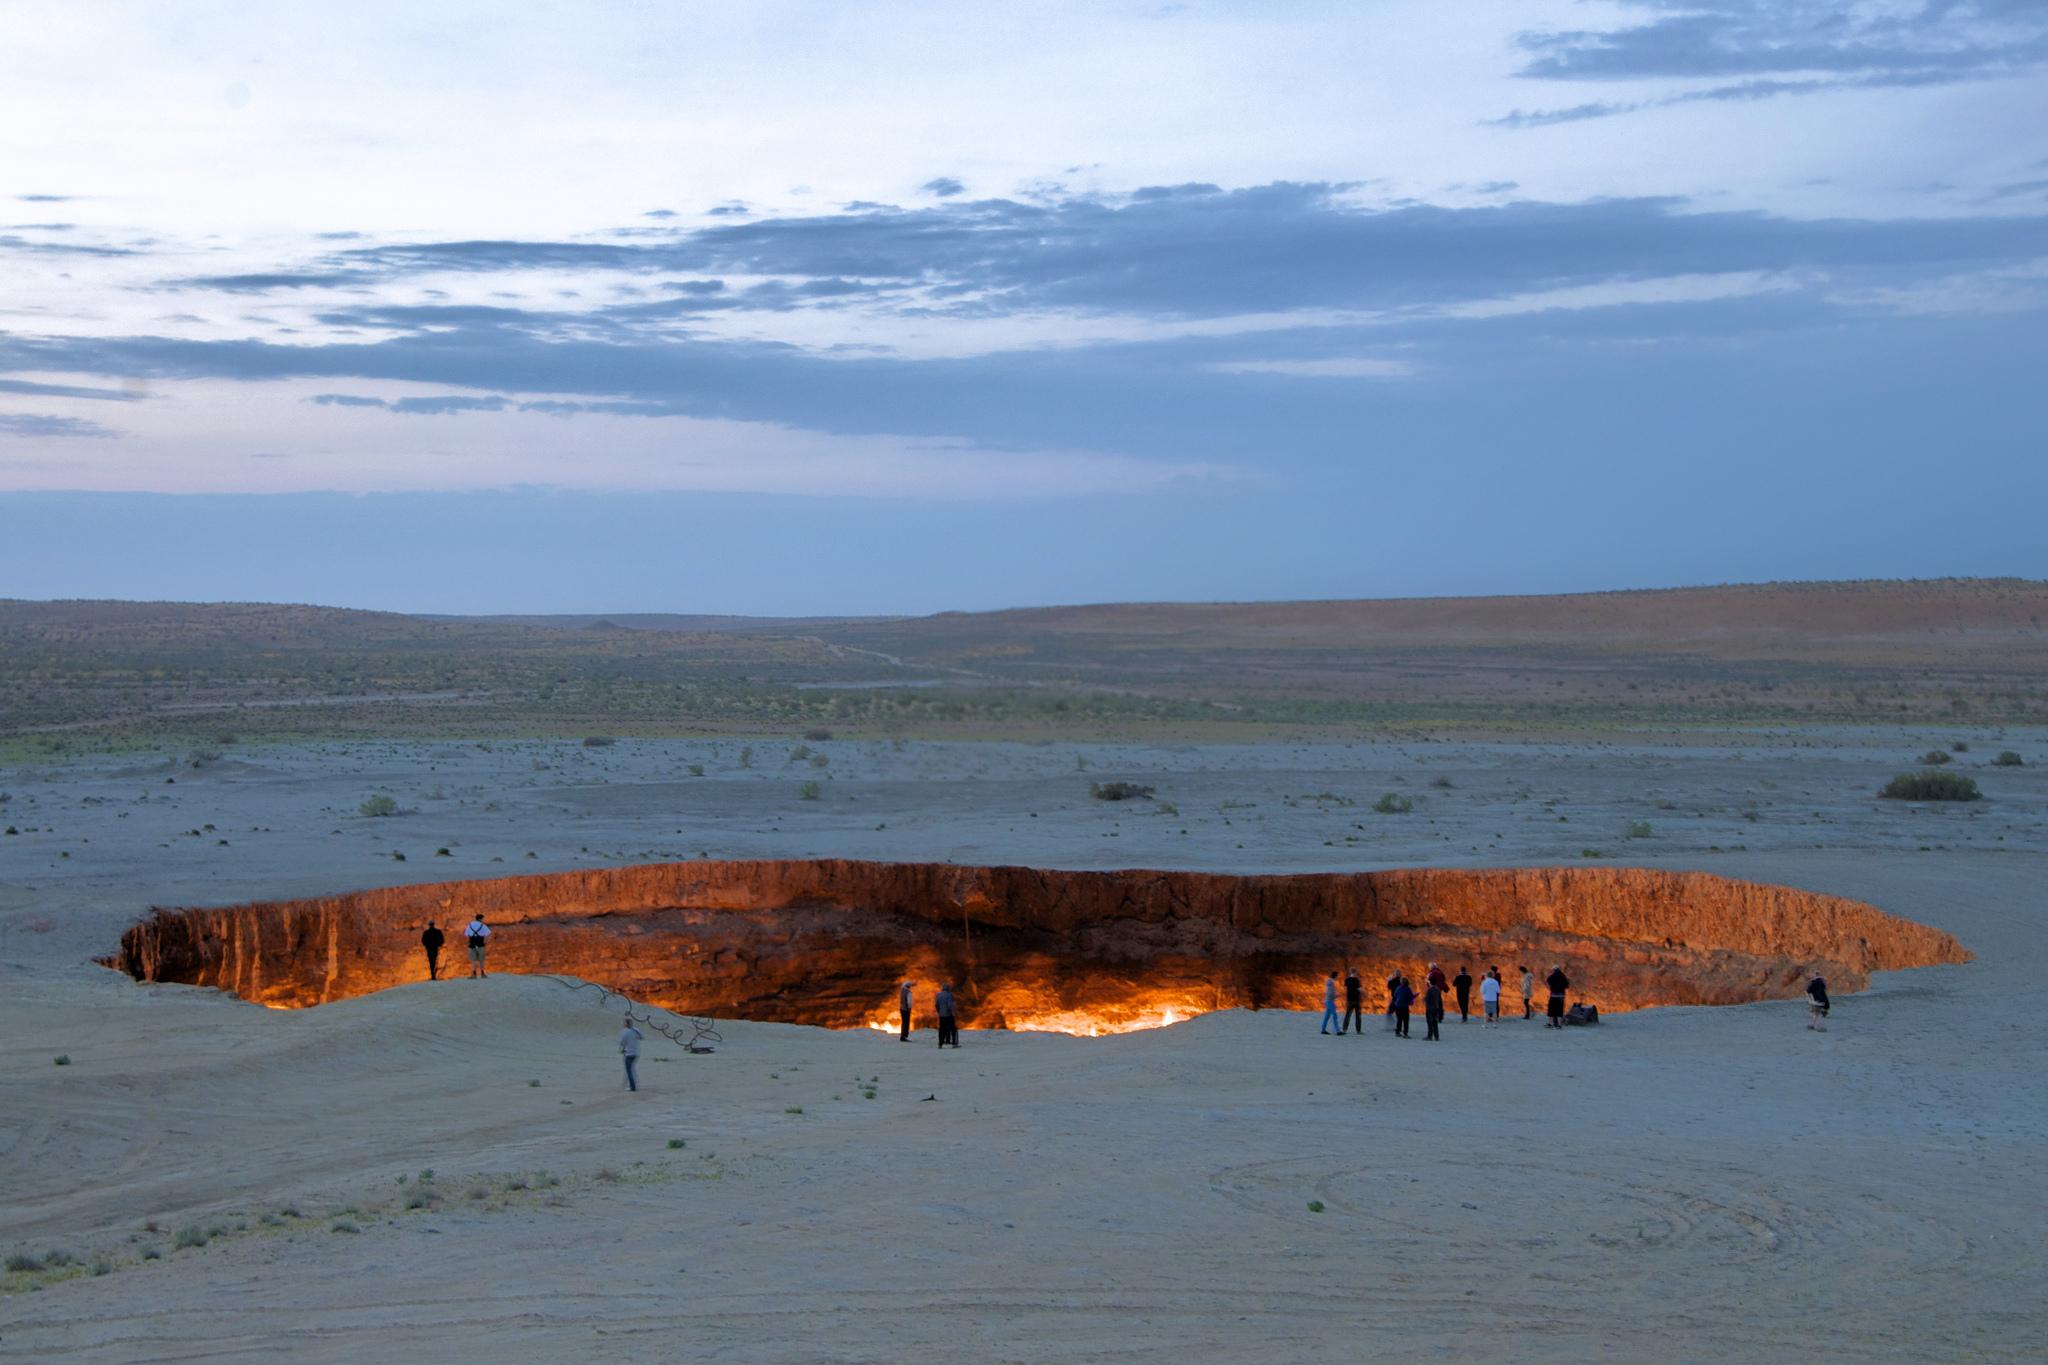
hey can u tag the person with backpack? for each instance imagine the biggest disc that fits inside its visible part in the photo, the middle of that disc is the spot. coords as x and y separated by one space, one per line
1330 1002
1558 983
1433 1010
432 940
1817 1004
1404 999
1489 996
629 1048
1354 1003
479 936
1462 984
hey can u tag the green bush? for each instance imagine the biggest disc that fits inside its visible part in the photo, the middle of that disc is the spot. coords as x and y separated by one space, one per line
1392 804
379 806
1931 787
1639 829
2008 759
1118 791
810 791
190 1237
1934 757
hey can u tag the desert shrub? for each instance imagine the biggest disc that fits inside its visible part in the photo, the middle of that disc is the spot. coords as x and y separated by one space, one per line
1118 791
1639 829
747 756
1959 747
1393 804
61 1059
378 806
820 761
1168 808
1934 757
598 741
22 1262
696 770
809 791
2007 759
1931 787
190 1237
443 853
800 753
818 734
203 758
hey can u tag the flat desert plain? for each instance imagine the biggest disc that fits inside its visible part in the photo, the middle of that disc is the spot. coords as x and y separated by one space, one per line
1675 1184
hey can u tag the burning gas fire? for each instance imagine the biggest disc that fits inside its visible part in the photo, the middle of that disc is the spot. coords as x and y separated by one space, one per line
1029 1017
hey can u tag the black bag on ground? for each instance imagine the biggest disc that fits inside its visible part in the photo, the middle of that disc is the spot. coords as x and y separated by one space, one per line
1582 1014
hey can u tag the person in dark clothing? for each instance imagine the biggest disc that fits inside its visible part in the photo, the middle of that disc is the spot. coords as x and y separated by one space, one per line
1462 985
1354 1003
904 998
1817 1004
1436 978
949 1025
432 941
1559 983
1433 1010
1404 1000
1392 981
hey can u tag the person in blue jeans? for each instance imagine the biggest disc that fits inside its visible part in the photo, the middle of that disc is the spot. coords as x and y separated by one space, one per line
629 1048
1330 1002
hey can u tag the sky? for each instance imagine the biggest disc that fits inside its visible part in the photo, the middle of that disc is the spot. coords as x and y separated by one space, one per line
810 308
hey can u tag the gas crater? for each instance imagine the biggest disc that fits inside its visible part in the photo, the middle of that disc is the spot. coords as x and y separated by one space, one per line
824 942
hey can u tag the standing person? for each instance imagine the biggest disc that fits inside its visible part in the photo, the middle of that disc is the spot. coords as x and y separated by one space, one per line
479 935
1354 1002
1330 1002
1558 983
905 997
1528 992
949 1026
629 1048
432 940
1404 998
1462 984
1817 1004
1433 1010
1489 996
1436 977
1393 980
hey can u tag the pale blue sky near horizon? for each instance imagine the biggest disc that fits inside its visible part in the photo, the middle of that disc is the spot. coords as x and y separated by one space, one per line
809 309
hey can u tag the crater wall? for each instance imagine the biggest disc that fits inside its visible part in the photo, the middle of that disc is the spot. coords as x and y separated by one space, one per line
825 941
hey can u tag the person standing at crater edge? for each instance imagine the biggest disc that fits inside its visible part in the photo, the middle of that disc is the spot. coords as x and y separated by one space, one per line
1817 1003
432 940
949 1024
906 996
1403 996
1354 1002
1462 984
1558 983
1330 1002
1489 996
629 1049
1433 1010
479 935
1528 993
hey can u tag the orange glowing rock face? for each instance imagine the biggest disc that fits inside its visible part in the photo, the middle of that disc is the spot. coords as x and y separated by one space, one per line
1088 953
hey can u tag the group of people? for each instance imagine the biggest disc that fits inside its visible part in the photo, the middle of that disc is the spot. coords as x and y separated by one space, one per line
948 1012
1402 995
478 935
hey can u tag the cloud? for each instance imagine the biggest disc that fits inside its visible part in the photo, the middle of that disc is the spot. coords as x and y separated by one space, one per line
346 400
265 282
40 424
1944 40
45 198
659 213
10 242
24 386
943 187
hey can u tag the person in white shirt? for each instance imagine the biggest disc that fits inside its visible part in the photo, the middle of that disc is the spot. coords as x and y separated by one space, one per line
629 1048
1489 995
478 935
906 998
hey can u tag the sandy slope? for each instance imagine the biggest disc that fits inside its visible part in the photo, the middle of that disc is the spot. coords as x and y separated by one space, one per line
1678 1184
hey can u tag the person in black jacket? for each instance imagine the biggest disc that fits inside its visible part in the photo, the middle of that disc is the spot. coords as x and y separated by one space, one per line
1559 983
1404 999
432 940
1354 1002
1462 984
1817 1003
1433 1011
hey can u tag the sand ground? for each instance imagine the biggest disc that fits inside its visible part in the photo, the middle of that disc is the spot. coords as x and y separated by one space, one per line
1674 1185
